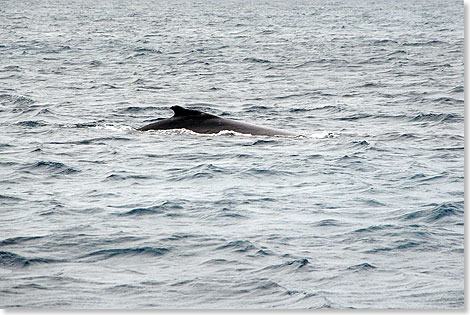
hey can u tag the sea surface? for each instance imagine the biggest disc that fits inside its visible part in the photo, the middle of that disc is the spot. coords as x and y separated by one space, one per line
364 210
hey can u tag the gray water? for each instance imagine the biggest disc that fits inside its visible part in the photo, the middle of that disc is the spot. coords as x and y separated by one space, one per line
366 210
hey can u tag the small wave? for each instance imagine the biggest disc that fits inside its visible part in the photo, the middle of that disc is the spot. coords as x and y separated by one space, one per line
288 96
18 240
9 259
435 117
296 264
147 50
84 125
226 214
384 41
256 109
261 142
374 228
9 198
219 261
327 222
137 109
327 108
157 209
95 63
447 100
400 136
405 245
44 112
360 143
373 203
355 117
54 167
449 149
397 52
370 85
142 211
101 140
32 123
362 267
196 172
458 89
268 172
428 43
239 246
7 99
120 252
149 87
437 213
178 237
10 69
126 177
256 60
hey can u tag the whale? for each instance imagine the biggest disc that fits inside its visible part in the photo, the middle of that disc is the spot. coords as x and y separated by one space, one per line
205 123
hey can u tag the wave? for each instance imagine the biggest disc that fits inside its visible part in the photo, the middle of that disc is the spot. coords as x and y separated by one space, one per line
18 240
256 60
447 100
362 267
405 245
400 136
122 252
54 167
355 117
261 142
289 265
147 50
199 171
437 212
239 246
427 43
436 117
8 99
32 123
9 198
384 41
327 222
10 69
374 228
100 140
138 109
157 209
9 259
126 177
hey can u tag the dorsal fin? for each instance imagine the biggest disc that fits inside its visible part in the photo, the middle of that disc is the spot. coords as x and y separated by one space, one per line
181 111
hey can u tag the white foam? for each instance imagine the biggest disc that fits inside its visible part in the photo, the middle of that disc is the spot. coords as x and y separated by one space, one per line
122 128
324 135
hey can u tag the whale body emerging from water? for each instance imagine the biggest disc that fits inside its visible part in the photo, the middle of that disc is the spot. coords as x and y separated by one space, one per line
200 122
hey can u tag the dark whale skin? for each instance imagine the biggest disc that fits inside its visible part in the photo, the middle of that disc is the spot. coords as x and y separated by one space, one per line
206 123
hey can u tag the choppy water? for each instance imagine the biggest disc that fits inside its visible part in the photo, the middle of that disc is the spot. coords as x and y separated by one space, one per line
366 211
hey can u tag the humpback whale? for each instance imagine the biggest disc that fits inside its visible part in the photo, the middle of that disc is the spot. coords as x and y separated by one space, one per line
200 122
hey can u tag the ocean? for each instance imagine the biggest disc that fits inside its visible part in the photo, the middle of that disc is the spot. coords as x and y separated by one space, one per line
365 210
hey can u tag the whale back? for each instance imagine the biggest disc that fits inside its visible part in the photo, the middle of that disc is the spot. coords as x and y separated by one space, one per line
201 122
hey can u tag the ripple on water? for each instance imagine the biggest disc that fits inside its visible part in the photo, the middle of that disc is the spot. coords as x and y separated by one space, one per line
51 167
156 209
125 252
437 212
12 260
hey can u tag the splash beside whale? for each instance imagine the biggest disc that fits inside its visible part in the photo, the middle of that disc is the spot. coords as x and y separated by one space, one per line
200 122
